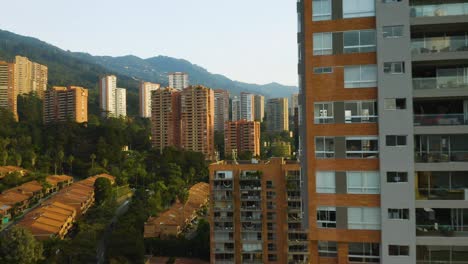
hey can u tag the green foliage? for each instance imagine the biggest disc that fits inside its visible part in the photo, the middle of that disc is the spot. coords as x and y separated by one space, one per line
19 246
102 190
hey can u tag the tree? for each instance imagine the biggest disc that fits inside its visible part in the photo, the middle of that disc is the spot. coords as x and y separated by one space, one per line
93 157
60 156
70 163
18 159
19 246
102 190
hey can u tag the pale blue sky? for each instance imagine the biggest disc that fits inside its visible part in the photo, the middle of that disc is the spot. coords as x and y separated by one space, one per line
246 40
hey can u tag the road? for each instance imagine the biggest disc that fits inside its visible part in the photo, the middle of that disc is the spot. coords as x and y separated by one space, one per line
101 248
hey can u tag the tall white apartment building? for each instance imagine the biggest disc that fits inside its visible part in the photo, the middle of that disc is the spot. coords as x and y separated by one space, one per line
178 80
236 108
145 97
247 106
112 100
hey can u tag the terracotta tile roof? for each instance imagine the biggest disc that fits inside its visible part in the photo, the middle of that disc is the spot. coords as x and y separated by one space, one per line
178 214
11 197
32 186
4 170
56 179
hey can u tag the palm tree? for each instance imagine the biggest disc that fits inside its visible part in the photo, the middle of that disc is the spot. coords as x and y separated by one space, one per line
93 157
60 156
4 157
18 159
33 159
70 163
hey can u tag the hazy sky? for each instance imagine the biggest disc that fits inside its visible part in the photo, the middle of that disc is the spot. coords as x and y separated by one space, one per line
246 40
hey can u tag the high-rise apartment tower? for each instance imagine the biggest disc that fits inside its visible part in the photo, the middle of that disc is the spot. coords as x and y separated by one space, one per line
144 95
66 104
178 80
221 108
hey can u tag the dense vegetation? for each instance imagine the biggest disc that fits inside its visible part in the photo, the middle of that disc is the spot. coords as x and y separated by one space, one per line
120 147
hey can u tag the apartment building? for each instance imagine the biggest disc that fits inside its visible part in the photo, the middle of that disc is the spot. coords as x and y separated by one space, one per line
293 103
112 100
383 106
256 213
259 106
165 118
197 120
236 108
242 136
178 80
66 104
221 109
30 77
8 92
144 96
277 115
247 108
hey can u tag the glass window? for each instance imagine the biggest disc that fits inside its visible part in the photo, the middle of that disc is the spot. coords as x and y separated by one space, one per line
394 103
359 41
327 249
362 147
323 70
323 43
394 67
325 181
361 112
365 182
392 31
402 214
393 141
321 10
364 252
394 177
323 113
360 76
324 147
391 1
358 8
397 250
364 218
326 217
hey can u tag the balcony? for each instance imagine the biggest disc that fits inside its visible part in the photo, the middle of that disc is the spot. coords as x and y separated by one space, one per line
441 222
441 148
442 156
440 120
439 10
448 82
439 44
251 176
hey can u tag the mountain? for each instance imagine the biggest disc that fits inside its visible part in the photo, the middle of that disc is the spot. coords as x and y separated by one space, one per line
82 69
155 70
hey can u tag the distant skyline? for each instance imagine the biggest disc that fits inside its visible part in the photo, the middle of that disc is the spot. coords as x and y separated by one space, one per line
247 40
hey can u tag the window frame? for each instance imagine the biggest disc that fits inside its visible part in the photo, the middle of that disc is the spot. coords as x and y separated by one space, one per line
363 224
325 250
319 17
324 119
391 30
359 108
325 188
363 154
324 154
391 67
362 83
400 250
323 70
367 13
394 104
329 213
359 48
398 213
398 140
365 187
398 174
322 51
368 252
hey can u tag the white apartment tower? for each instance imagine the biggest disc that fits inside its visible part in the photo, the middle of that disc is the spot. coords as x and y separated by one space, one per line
112 100
247 106
145 97
178 80
236 108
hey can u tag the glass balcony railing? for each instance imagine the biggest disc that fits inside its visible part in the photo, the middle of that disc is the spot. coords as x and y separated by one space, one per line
442 194
441 230
442 156
429 45
455 9
440 120
449 82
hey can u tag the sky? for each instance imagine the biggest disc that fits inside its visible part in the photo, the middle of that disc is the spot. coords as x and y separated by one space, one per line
247 40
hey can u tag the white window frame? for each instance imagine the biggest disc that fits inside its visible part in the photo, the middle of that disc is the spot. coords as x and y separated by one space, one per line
325 154
359 46
361 117
391 31
367 257
398 213
361 83
323 70
327 223
320 38
365 187
399 247
399 174
321 118
321 16
325 187
364 223
394 67
359 13
325 250
374 153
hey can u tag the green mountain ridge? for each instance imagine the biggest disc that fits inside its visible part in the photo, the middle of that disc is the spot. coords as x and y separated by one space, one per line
82 69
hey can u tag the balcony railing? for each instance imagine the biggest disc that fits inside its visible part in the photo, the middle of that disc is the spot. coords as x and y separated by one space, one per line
361 119
223 219
428 45
448 82
441 230
440 120
455 9
442 194
442 156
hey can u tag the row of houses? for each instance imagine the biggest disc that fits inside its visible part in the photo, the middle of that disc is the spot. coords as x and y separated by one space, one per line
174 220
55 217
7 170
15 200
